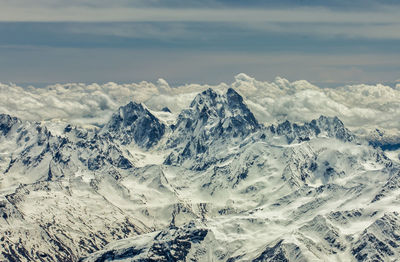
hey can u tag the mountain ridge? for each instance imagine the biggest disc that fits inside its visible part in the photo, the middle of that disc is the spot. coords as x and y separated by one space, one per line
216 184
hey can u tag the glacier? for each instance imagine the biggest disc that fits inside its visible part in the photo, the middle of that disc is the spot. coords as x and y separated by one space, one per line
211 182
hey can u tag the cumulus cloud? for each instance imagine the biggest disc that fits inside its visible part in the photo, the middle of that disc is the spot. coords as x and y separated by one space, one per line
90 104
361 107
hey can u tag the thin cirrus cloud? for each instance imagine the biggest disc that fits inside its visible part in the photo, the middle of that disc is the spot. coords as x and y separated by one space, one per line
173 38
113 14
203 42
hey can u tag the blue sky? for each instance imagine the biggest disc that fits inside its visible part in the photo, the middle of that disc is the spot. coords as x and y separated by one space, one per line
47 41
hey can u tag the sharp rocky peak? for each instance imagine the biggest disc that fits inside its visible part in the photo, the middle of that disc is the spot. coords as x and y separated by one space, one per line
333 127
211 119
206 98
217 114
328 126
230 103
134 123
129 113
7 122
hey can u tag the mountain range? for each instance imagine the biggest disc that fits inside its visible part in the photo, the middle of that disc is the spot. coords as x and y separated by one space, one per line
214 184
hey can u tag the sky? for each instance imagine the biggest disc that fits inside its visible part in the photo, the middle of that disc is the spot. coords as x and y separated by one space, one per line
202 41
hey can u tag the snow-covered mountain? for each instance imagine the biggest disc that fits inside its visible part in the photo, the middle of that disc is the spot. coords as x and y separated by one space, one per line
212 184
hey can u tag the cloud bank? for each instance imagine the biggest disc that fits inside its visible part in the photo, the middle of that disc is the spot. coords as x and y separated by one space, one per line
361 107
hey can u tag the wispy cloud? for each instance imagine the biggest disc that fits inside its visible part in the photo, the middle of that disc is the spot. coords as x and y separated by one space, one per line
114 14
335 18
124 40
332 4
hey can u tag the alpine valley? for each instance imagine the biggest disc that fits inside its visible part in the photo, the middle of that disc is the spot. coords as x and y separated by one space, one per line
211 183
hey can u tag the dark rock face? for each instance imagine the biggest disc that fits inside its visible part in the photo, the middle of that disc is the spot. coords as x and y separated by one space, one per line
166 109
135 123
243 118
282 252
6 123
172 244
334 128
391 185
380 241
344 217
226 115
97 153
175 245
379 138
331 126
211 118
328 235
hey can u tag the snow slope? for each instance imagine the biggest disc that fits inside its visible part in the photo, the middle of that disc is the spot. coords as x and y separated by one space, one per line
213 184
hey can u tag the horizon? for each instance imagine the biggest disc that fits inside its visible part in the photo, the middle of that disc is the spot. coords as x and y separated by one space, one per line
321 84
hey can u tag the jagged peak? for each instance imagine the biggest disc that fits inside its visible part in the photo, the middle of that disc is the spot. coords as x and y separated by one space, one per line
133 104
131 107
7 117
134 122
211 105
329 120
208 96
213 117
331 126
129 113
166 109
214 99
7 122
234 99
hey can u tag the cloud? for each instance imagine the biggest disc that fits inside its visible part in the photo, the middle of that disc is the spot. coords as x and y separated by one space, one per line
89 104
214 4
73 12
361 107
